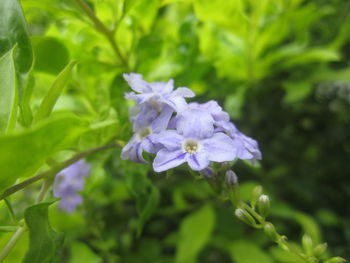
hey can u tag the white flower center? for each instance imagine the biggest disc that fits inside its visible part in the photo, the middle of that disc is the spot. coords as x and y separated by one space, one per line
191 146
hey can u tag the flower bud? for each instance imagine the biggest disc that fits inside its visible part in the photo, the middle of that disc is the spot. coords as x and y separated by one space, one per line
244 216
270 230
264 205
257 192
207 172
307 244
336 260
231 178
320 249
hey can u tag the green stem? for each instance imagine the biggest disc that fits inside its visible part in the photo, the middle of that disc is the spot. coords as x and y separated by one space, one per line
8 228
7 249
109 34
12 214
12 242
54 170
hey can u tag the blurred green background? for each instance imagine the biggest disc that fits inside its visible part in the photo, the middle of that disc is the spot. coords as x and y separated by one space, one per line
279 67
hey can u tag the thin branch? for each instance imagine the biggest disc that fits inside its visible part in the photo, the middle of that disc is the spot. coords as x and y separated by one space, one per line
7 249
54 170
109 34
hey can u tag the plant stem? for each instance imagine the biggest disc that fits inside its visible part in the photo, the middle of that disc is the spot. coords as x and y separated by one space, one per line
7 249
54 170
44 188
109 34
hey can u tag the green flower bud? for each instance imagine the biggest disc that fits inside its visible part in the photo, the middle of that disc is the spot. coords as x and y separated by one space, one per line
270 230
264 205
336 260
257 192
320 249
308 245
244 216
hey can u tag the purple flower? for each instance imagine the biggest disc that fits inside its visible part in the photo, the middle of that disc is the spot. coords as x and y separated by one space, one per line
247 148
145 125
157 94
193 142
68 182
213 108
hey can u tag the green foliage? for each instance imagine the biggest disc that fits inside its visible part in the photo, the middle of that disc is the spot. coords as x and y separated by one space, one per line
193 236
281 70
18 163
8 93
50 54
44 242
54 93
243 251
14 31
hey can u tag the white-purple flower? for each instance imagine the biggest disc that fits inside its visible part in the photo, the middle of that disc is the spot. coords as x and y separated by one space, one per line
247 148
157 93
145 125
67 184
194 142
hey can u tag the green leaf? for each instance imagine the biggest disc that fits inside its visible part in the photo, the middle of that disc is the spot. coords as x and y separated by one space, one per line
195 232
243 251
296 91
309 226
14 30
8 93
143 11
50 54
149 205
22 154
54 92
44 242
82 253
285 256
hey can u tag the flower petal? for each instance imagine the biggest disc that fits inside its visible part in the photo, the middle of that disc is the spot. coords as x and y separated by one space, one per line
179 104
195 124
133 151
220 148
162 121
166 160
197 161
136 82
162 87
170 139
183 92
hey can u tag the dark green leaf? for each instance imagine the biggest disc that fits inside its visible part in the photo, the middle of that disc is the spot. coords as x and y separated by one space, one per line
24 153
50 54
149 205
44 242
13 30
8 93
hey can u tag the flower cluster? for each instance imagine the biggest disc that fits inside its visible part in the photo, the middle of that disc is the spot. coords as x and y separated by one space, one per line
177 132
67 184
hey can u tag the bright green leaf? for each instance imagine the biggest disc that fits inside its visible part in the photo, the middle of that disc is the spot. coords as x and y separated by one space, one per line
22 154
44 242
8 93
54 92
13 30
195 232
243 251
82 253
